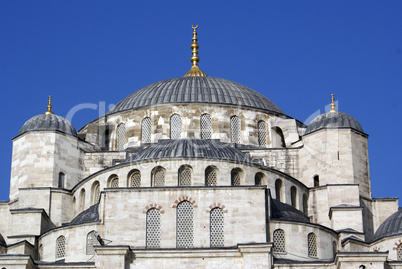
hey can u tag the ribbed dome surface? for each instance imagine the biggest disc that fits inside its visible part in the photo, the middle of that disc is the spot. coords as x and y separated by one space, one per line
48 122
333 120
390 227
196 90
190 148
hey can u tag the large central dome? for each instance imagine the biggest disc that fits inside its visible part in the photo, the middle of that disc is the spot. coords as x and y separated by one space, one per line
203 90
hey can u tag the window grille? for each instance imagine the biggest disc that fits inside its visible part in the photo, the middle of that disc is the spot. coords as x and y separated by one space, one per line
312 245
206 126
262 134
121 136
279 241
235 177
153 228
184 228
159 177
60 247
211 176
146 130
399 252
114 183
217 236
91 242
96 193
235 129
175 127
258 178
185 176
136 179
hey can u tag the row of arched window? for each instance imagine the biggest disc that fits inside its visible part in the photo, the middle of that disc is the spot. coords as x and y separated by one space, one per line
61 246
293 196
205 131
279 241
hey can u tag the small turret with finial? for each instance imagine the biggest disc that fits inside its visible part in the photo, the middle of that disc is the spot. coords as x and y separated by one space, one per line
195 70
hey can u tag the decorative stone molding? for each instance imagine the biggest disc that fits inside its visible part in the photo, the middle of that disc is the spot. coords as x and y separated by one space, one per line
184 198
214 205
153 205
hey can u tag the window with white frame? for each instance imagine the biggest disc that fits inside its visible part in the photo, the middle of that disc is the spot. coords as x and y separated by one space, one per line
185 175
312 245
60 247
153 238
121 136
185 227
217 236
262 133
211 174
279 241
206 126
146 130
175 126
235 128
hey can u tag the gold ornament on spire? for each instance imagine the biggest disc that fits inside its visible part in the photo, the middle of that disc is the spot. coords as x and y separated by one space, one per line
332 103
195 70
49 106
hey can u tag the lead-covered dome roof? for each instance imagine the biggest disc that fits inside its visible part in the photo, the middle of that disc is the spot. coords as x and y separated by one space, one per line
390 227
48 122
333 120
203 90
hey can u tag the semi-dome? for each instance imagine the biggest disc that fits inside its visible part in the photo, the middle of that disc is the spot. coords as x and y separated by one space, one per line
196 89
192 149
48 122
390 227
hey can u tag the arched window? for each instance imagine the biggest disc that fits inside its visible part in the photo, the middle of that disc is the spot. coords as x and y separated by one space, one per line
206 126
134 178
61 180
312 245
60 247
278 140
399 252
236 176
279 241
305 205
113 181
91 242
153 239
158 177
175 126
278 189
146 126
217 236
262 133
259 178
106 140
316 181
82 199
185 228
293 196
185 175
211 175
121 136
235 128
95 192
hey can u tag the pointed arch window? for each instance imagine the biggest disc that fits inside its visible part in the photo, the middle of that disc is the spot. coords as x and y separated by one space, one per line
211 175
175 126
279 241
185 226
312 245
135 179
217 236
262 133
185 172
153 239
158 177
206 126
146 126
91 242
121 136
235 128
60 247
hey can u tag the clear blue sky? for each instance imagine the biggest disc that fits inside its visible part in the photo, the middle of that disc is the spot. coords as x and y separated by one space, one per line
294 52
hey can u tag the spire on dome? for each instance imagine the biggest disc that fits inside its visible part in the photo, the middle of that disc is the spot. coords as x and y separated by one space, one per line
332 104
195 70
49 106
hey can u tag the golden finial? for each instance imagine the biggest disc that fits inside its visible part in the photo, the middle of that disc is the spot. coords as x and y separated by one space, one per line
49 106
332 103
195 70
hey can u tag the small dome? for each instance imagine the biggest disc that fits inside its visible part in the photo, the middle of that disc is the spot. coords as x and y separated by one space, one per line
48 122
390 227
333 120
190 148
